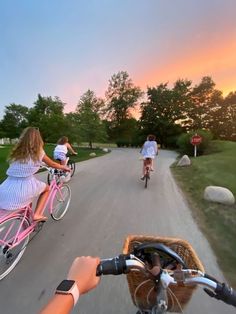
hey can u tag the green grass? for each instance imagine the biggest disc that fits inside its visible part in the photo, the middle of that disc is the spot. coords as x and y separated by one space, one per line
217 221
83 154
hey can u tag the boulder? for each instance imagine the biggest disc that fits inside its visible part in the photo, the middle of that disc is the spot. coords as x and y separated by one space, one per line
92 155
106 150
219 195
184 161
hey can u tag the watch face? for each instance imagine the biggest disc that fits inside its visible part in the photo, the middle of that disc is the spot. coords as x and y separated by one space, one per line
65 285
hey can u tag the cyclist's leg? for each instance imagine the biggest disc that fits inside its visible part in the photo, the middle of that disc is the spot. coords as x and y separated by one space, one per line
64 162
38 214
151 165
144 169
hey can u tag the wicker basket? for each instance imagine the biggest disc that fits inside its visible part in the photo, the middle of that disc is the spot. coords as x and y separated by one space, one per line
145 295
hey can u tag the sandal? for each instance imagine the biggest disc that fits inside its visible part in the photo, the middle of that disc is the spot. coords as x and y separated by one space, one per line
42 218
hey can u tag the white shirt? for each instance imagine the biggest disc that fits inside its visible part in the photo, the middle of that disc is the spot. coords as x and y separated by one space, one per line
149 149
61 149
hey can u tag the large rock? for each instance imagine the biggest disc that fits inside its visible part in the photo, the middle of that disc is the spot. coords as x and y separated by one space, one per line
106 150
92 155
219 195
184 161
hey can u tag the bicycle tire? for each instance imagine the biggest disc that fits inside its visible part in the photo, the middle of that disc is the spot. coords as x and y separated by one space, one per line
49 178
146 181
10 257
71 164
61 202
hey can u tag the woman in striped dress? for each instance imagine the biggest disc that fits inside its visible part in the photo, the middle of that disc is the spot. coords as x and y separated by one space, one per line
21 186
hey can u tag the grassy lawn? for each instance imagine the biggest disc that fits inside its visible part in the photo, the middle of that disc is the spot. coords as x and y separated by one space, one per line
217 221
83 154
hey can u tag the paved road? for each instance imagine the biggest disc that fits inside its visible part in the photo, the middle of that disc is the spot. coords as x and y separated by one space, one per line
108 203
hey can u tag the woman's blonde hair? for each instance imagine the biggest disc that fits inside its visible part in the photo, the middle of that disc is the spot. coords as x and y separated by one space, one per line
63 140
30 145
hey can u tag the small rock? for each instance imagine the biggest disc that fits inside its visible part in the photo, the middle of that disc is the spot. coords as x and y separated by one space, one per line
92 155
184 161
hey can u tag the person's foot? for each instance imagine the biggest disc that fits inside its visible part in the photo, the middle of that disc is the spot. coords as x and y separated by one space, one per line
143 178
40 218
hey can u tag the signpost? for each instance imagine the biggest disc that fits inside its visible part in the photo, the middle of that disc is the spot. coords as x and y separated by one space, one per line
196 140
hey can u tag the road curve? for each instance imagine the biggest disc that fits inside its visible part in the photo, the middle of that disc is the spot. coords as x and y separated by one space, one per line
108 203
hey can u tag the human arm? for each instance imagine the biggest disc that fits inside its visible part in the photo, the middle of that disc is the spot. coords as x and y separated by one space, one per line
54 164
156 148
141 149
83 272
71 149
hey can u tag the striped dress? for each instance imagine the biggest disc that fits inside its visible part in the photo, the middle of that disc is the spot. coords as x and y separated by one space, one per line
21 186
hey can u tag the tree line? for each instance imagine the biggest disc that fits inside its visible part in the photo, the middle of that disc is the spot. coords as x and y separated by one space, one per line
164 111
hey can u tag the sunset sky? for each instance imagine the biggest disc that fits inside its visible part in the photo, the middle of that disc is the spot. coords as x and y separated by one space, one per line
65 47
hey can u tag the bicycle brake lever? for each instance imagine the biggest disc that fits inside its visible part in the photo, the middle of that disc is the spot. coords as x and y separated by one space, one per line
209 292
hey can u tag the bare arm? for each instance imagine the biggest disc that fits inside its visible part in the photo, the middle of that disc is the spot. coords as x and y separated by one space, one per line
71 149
156 148
60 304
54 164
83 271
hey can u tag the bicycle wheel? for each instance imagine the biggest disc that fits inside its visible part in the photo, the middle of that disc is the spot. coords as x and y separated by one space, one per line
71 164
147 177
9 257
61 202
146 181
50 177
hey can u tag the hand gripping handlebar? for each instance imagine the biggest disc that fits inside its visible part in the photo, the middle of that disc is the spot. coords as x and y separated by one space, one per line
123 264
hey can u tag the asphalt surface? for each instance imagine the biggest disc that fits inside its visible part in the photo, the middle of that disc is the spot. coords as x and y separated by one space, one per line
108 203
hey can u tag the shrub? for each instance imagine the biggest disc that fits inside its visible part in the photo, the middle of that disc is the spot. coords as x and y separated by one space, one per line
122 142
185 146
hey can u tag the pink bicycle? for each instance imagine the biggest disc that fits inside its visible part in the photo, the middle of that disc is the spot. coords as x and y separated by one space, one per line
17 226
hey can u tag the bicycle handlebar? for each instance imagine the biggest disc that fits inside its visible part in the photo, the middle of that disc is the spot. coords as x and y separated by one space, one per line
123 264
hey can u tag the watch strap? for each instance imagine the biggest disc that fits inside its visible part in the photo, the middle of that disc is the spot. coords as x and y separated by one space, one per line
74 291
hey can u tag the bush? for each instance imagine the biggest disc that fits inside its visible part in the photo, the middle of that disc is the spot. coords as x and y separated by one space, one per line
185 146
122 142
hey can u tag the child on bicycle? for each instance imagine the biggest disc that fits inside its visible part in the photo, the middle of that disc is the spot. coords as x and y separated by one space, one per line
21 186
149 150
61 150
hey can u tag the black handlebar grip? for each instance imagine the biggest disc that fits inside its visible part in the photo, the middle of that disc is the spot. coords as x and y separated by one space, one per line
114 266
226 294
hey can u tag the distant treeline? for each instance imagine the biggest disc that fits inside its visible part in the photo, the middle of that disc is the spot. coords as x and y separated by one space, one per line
166 112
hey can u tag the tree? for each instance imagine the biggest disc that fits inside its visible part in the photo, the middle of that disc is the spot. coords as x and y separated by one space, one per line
91 127
121 96
14 120
227 113
164 111
73 131
206 101
47 115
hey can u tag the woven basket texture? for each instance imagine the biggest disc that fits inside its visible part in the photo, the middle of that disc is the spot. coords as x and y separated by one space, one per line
182 293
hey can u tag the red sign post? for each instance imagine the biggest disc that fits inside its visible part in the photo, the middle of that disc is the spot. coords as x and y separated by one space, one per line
196 140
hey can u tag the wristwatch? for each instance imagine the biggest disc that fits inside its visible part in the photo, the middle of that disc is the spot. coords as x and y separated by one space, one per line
69 287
